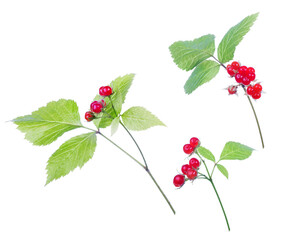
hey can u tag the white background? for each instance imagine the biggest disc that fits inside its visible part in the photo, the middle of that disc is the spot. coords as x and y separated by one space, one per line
68 49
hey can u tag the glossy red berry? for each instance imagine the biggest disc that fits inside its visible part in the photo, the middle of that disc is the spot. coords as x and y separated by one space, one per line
101 91
250 70
243 70
191 174
251 76
245 81
194 142
235 65
107 90
257 88
232 89
96 107
185 168
256 95
188 149
239 77
194 163
89 116
250 90
230 70
178 180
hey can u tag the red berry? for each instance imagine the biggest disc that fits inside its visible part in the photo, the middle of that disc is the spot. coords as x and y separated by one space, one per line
107 90
256 95
194 142
194 163
230 70
250 70
191 174
243 70
235 65
185 168
250 90
188 149
178 180
101 91
232 89
239 77
257 88
96 107
89 116
245 81
251 76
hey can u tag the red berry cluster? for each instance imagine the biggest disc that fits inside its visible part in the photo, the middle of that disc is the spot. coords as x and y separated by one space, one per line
97 106
244 76
188 170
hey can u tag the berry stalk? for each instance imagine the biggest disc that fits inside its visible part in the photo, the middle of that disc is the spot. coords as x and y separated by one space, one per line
242 83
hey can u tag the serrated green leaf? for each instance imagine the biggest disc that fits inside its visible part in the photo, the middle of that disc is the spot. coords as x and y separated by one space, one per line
114 125
233 37
48 123
203 73
188 54
120 88
223 170
206 153
235 151
72 154
138 118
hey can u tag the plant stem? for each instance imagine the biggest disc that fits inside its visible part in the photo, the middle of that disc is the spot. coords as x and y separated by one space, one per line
161 191
262 142
144 167
259 130
135 144
220 203
218 62
121 149
211 181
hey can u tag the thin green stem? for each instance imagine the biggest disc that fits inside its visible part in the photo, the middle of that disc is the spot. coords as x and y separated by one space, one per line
144 167
214 168
209 178
161 191
112 105
220 203
257 122
135 143
218 62
122 149
204 164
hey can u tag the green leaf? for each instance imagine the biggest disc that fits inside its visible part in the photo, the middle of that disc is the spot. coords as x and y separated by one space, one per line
188 54
235 151
114 125
48 123
73 153
206 153
203 73
138 118
120 88
223 170
233 37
